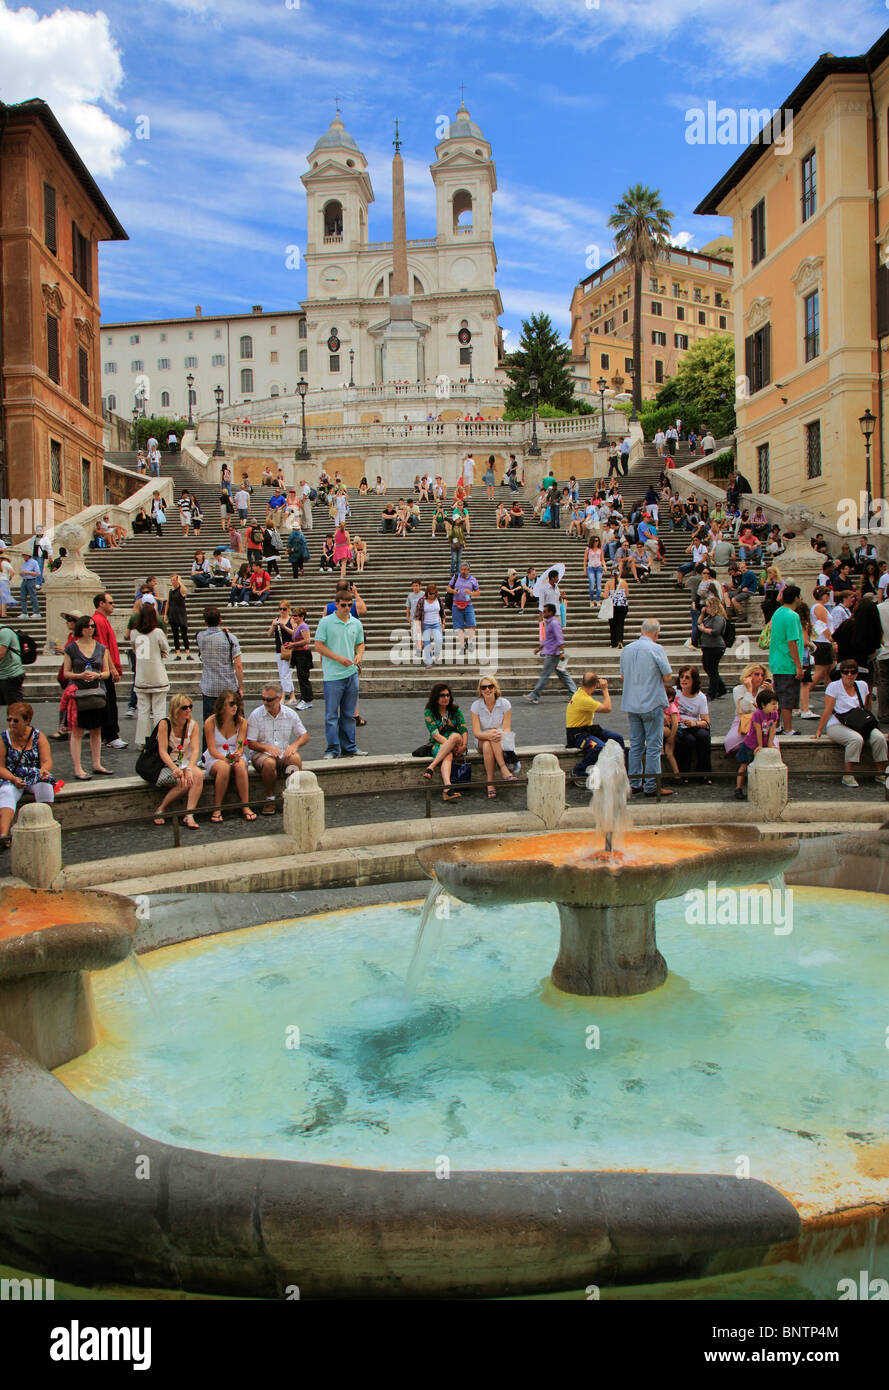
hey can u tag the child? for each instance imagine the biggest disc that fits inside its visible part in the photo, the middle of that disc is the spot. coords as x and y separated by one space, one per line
761 734
671 728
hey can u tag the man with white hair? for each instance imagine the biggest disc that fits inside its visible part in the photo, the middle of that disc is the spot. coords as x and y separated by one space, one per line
275 734
645 669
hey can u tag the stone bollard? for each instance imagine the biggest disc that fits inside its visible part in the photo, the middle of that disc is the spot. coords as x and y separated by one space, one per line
767 782
37 846
546 790
303 810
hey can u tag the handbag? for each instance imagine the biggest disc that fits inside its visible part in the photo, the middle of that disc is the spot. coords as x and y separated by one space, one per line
606 607
460 772
149 763
765 637
89 698
424 751
860 720
507 741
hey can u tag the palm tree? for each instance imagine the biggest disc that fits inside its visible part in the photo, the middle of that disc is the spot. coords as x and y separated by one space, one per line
642 227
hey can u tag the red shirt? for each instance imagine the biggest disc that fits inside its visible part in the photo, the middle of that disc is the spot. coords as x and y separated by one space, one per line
260 581
105 635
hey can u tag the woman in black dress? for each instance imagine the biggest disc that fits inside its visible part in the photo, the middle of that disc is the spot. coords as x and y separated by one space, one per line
86 667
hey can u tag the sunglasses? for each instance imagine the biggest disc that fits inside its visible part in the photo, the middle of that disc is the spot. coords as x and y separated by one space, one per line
188 706
269 699
486 687
232 704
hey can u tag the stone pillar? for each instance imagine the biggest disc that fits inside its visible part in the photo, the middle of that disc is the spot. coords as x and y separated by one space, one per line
72 586
767 782
608 951
303 811
546 790
37 846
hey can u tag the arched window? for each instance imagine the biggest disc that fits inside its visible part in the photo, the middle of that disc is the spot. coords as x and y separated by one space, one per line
378 292
418 287
333 219
165 399
112 402
246 347
462 211
303 360
302 331
274 391
246 381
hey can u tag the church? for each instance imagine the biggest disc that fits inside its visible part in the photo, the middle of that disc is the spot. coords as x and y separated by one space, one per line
408 310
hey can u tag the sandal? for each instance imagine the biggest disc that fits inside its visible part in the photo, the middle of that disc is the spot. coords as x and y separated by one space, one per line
83 776
359 721
450 795
509 777
429 774
216 818
492 792
248 814
190 823
159 820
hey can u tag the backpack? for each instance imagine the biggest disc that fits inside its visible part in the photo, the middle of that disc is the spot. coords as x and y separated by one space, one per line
729 634
313 494
27 647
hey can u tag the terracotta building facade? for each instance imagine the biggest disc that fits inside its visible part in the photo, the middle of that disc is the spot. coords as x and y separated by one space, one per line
52 218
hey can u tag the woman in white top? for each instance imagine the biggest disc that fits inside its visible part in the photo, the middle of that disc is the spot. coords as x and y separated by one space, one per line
491 719
151 683
430 615
7 574
225 734
180 751
841 698
744 696
823 657
185 513
693 736
593 563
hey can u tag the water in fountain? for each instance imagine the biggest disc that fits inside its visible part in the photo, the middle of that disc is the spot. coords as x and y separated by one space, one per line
607 780
425 945
145 984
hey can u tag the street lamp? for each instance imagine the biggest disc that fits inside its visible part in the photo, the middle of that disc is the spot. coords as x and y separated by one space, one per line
351 366
302 387
469 350
135 426
867 423
189 381
218 452
534 383
601 384
632 375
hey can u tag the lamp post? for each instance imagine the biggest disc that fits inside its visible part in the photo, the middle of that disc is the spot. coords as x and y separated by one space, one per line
534 383
135 426
218 452
469 350
601 384
632 375
867 421
351 366
302 387
189 381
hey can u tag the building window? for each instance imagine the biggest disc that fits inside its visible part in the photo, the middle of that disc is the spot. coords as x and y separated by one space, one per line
191 361
813 325
723 321
246 381
273 357
304 360
658 371
83 375
677 289
217 360
55 465
702 318
274 391
813 449
49 218
810 191
758 232
53 369
246 347
652 285
680 313
85 482
604 359
217 333
657 308
190 335
465 357
137 365
112 402
608 326
83 252
717 299
301 330
626 318
165 399
110 368
758 358
163 337
680 340
628 364
163 364
335 361
134 338
764 468
273 330
698 295
659 339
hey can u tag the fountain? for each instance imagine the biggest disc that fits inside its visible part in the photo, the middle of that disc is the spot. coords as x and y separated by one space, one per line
607 885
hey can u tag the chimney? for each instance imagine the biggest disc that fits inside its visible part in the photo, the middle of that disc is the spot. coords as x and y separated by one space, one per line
257 308
198 311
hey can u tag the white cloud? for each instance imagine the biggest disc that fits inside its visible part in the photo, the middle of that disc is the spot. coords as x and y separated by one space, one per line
682 240
70 60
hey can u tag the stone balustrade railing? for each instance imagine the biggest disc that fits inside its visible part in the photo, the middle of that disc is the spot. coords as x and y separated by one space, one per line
516 433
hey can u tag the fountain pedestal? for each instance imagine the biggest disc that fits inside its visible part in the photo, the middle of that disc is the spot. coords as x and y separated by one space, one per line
608 950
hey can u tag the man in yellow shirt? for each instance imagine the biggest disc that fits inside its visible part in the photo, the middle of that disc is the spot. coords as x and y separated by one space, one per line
581 730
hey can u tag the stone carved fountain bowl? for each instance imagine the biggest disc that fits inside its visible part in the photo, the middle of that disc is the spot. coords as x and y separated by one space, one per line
606 901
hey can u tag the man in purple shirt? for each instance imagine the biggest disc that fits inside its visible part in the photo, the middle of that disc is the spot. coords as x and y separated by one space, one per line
553 650
463 586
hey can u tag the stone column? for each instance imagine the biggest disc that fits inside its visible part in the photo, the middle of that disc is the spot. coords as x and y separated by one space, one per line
303 811
72 586
37 846
767 783
546 790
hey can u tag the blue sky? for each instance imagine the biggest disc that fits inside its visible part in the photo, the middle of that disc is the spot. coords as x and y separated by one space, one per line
578 100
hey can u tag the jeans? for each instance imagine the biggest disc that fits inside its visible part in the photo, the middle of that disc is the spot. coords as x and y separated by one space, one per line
695 618
340 703
595 580
591 744
456 560
28 595
432 639
550 662
155 469
646 733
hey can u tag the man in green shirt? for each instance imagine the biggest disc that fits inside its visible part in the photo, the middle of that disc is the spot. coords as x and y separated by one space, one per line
548 482
12 671
786 654
339 641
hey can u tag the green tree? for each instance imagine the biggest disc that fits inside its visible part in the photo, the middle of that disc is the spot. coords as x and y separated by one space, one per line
641 227
703 390
542 351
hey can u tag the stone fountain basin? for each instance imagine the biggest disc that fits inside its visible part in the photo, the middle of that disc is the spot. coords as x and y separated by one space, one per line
668 863
43 933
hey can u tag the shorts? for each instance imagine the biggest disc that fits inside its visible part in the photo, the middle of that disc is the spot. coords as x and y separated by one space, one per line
463 617
823 654
243 513
744 754
787 690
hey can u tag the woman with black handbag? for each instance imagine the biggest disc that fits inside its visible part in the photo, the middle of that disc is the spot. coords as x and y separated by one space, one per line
301 657
85 667
448 738
850 723
171 757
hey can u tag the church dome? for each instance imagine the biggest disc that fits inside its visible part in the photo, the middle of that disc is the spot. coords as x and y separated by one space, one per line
463 126
337 137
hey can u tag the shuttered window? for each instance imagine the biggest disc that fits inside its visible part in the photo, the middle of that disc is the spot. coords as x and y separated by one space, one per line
758 358
83 375
81 248
52 349
49 218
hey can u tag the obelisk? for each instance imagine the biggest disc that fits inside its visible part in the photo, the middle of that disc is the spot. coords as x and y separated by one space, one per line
401 337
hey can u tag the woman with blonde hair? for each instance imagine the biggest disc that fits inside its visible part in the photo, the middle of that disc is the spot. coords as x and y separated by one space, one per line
771 593
711 631
225 734
282 628
342 548
492 719
179 748
359 548
753 677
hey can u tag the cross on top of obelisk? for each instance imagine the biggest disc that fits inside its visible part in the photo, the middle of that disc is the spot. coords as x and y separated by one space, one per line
462 93
337 100
397 141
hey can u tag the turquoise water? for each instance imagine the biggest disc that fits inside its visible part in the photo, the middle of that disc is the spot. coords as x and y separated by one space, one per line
763 1054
